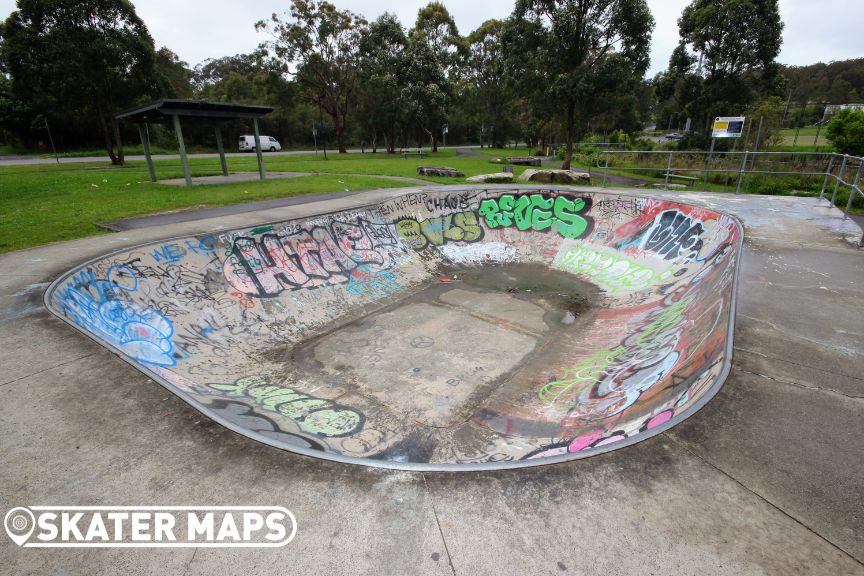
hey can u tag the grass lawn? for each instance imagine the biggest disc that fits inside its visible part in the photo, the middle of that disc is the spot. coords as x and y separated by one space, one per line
49 202
42 207
806 140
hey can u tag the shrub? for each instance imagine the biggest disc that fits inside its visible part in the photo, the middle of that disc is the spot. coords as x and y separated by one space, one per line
846 132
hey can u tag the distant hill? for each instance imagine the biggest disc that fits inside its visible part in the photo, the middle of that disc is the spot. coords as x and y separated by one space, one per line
840 82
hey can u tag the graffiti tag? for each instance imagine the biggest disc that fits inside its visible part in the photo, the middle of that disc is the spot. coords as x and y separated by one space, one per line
313 415
437 231
539 212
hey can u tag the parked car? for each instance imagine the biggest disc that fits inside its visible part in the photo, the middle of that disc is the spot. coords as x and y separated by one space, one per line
674 136
247 143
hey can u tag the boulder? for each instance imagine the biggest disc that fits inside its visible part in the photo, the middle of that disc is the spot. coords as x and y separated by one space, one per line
517 160
523 160
441 171
497 178
555 176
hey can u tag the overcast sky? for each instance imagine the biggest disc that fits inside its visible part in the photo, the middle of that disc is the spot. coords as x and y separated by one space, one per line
815 31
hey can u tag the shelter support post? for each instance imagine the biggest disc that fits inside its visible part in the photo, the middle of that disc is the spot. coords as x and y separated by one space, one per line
145 142
258 149
183 159
221 150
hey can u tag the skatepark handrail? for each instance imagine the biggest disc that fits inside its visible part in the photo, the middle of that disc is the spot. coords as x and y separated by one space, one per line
841 169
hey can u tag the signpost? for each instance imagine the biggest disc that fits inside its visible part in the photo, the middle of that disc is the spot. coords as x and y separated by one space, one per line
728 127
724 127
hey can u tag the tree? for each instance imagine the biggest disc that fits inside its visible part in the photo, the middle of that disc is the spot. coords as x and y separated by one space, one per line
382 50
423 97
90 57
436 30
846 132
176 72
439 30
574 52
250 79
319 46
485 72
770 111
726 58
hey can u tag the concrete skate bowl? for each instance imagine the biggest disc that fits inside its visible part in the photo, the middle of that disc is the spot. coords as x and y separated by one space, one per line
445 329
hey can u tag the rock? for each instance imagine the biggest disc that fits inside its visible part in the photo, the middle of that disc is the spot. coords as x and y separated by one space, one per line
497 178
555 176
441 171
523 160
517 160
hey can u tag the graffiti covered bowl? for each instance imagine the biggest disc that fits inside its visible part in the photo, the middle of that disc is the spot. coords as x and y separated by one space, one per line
454 328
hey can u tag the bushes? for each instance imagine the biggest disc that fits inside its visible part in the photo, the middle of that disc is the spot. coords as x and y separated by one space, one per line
846 132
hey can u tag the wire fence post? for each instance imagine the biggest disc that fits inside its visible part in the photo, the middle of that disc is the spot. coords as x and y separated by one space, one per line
827 176
741 173
726 170
839 178
708 164
755 152
854 189
605 169
668 171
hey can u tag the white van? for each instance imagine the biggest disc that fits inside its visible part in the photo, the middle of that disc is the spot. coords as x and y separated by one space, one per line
247 143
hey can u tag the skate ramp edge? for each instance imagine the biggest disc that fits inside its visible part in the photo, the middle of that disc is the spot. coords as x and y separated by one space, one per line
446 329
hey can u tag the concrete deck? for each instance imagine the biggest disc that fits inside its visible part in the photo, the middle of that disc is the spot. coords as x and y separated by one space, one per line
768 478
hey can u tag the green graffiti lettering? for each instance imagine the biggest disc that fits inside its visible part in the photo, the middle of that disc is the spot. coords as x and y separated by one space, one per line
612 271
538 212
312 415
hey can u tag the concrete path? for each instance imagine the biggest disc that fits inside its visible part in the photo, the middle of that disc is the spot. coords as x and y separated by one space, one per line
220 211
206 213
766 479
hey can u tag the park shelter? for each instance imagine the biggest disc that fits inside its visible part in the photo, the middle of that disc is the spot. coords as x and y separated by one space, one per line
172 111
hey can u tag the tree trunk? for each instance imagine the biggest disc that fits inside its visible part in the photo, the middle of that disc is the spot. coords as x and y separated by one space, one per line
339 126
391 140
107 135
121 157
434 143
571 115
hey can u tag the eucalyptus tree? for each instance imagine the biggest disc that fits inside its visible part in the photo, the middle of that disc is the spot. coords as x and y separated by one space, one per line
423 97
319 46
436 42
726 58
485 73
383 50
576 53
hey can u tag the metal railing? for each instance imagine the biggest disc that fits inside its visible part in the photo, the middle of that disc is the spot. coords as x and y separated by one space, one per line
843 171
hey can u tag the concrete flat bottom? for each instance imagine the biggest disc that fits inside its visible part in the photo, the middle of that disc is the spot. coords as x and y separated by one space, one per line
433 363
